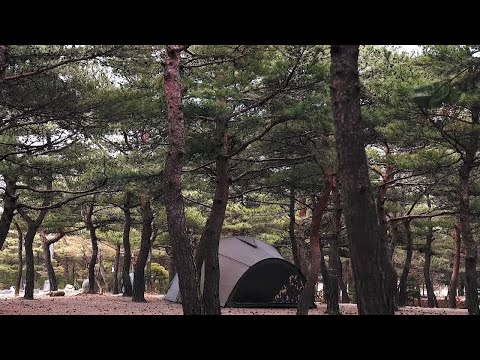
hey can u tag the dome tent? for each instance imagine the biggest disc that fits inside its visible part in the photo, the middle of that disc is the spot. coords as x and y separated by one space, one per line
252 274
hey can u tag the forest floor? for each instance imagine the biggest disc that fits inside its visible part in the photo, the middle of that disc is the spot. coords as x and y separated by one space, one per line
86 304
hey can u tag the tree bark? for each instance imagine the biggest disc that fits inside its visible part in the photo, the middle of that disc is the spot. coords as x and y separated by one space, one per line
32 229
343 286
9 206
432 299
337 232
127 252
331 286
181 244
452 291
93 237
291 231
209 241
115 269
308 291
139 275
402 286
464 214
372 273
48 260
20 259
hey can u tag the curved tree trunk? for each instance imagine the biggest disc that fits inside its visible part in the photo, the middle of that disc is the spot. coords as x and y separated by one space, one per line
20 259
127 252
308 291
452 291
115 269
181 244
9 206
372 272
47 258
139 275
93 237
32 229
213 228
402 286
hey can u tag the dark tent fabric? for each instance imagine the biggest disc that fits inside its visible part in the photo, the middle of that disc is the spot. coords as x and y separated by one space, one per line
252 274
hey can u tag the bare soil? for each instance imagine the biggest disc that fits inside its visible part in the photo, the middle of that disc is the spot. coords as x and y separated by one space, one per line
87 304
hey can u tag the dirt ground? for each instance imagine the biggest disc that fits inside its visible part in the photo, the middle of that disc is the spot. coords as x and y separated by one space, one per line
87 304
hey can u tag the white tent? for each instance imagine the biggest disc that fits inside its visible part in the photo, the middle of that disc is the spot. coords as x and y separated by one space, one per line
252 273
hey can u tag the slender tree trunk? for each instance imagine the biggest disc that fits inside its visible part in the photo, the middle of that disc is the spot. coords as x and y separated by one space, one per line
291 230
93 237
32 229
337 232
432 299
127 253
181 244
9 206
308 291
452 292
371 268
332 285
48 260
387 177
213 228
139 276
115 269
343 286
29 262
469 243
402 287
20 259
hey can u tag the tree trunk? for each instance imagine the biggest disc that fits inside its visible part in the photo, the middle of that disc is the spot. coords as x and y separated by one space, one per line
210 239
387 177
93 237
47 258
291 231
20 259
372 272
343 285
29 262
432 299
32 229
308 291
181 244
461 285
115 270
452 292
139 275
9 206
402 286
331 290
127 253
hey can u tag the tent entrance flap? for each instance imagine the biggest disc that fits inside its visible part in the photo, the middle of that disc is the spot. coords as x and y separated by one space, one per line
269 283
